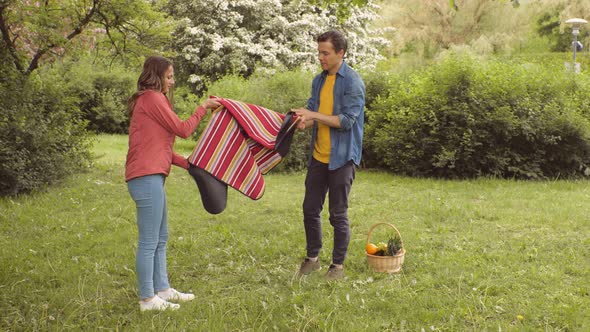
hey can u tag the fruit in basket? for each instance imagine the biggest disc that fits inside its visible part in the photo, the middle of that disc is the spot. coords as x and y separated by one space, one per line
371 249
381 249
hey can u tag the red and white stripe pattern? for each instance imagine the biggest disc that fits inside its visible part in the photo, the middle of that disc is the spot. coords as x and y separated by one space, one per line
237 146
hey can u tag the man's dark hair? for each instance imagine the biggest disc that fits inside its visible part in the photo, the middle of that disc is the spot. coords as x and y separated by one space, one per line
336 38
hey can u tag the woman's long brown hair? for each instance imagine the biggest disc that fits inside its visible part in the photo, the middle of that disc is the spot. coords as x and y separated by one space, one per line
151 78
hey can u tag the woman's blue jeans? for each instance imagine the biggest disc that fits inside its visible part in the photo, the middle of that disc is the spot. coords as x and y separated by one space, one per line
152 222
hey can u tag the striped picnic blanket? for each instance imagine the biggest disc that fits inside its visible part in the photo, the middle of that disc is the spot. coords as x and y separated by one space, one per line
238 146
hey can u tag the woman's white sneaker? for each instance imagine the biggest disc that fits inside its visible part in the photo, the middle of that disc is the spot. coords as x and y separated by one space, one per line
157 303
172 294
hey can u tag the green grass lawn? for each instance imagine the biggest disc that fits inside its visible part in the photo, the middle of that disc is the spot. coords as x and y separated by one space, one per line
482 255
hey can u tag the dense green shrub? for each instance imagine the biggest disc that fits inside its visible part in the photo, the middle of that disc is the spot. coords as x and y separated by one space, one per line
100 92
464 117
105 105
377 86
42 136
279 92
184 101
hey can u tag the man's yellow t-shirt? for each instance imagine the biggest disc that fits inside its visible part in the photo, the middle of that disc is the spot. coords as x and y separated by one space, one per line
321 148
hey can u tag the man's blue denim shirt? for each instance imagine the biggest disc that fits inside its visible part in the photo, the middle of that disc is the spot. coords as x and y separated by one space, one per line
349 105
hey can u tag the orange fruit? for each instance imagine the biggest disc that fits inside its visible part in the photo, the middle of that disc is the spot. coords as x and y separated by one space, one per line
371 249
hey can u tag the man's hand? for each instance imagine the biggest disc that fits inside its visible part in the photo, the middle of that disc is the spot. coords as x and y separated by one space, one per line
305 117
301 123
305 113
309 117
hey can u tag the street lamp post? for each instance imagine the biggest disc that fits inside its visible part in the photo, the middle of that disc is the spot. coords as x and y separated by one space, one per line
576 24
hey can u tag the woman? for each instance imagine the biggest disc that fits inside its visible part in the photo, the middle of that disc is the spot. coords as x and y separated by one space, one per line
152 132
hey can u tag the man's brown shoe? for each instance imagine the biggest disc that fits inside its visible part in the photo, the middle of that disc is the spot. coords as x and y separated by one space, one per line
334 273
308 266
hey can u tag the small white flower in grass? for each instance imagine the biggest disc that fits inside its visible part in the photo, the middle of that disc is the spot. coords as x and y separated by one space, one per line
51 317
180 238
348 297
474 289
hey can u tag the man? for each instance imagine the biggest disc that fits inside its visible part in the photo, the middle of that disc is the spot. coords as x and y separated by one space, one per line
335 111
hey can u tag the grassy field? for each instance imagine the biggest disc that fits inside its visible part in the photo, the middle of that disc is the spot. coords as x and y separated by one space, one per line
482 255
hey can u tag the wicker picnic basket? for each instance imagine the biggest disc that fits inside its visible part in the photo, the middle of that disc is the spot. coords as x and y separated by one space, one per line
388 264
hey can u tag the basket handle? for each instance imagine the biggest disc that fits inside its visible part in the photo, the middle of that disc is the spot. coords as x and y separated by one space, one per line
385 224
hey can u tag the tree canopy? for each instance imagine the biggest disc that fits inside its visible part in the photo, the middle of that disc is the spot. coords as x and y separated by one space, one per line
37 31
454 3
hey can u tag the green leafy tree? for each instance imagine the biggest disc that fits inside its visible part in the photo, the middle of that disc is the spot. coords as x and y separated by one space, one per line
551 23
548 25
43 133
39 31
455 4
343 10
428 27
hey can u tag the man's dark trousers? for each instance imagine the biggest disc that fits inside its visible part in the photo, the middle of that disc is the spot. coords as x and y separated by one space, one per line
336 183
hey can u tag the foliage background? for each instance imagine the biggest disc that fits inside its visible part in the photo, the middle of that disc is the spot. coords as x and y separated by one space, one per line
249 52
215 38
483 254
465 116
42 133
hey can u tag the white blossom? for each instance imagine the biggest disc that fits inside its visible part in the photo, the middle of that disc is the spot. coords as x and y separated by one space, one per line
194 78
217 37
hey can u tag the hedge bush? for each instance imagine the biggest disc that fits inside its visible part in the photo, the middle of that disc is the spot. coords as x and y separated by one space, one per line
42 136
99 91
464 117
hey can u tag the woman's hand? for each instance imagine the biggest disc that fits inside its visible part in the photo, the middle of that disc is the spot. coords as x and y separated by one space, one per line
211 103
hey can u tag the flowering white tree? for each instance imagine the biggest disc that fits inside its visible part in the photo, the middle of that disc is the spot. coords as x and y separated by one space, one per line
219 37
